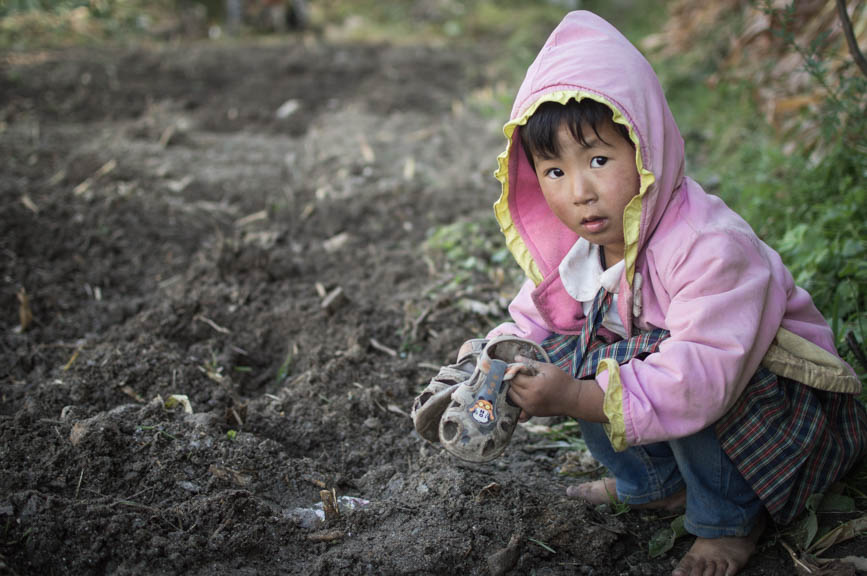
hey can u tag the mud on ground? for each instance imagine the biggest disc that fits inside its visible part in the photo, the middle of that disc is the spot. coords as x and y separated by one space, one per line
175 237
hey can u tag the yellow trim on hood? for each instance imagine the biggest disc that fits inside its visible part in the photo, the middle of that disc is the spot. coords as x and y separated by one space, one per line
631 214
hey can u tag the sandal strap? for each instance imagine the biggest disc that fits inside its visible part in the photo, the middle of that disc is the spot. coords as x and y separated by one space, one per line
447 376
467 361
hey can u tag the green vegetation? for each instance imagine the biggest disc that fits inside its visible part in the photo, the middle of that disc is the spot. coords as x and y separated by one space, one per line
467 250
663 540
617 507
469 20
17 6
518 28
285 367
26 24
542 545
807 199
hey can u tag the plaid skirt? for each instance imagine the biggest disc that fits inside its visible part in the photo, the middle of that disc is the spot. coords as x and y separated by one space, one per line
788 440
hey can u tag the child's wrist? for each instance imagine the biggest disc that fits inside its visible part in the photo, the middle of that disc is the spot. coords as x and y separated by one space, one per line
575 399
588 399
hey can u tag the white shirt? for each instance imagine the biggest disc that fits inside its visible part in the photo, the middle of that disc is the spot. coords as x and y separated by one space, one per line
582 275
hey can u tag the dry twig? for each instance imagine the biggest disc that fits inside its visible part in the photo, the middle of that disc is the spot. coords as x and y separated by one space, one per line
78 486
104 169
212 324
25 314
325 536
72 360
795 558
857 55
382 347
329 504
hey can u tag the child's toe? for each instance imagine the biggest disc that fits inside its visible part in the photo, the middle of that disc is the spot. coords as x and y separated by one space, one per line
596 492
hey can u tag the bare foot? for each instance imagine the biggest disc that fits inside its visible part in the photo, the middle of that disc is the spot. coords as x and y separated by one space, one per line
719 556
605 490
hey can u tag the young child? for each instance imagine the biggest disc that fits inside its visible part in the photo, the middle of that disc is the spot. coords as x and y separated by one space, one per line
700 374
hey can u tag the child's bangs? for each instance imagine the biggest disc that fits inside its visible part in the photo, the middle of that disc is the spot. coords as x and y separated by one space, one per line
539 135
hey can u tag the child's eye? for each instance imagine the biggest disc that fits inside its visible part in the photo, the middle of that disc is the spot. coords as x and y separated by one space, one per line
554 173
598 161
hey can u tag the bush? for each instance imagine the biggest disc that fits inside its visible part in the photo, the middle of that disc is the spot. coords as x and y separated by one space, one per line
803 189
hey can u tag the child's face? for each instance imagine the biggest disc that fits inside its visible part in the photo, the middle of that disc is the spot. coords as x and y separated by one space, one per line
587 187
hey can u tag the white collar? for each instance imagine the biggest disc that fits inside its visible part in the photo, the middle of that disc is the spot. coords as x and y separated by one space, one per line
582 274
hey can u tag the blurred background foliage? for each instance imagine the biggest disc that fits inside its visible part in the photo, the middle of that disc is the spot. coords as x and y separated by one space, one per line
766 92
774 112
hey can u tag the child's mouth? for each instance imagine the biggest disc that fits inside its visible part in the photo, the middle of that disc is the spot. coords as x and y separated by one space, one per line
595 224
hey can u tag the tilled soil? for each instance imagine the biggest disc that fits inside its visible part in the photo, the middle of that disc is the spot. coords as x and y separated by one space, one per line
173 236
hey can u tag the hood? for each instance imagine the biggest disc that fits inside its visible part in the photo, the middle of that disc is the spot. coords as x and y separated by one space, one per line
586 57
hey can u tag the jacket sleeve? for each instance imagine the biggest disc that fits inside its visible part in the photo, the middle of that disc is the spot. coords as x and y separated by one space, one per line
720 287
526 320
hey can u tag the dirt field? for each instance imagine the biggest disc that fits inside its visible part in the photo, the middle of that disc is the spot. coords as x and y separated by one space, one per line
174 236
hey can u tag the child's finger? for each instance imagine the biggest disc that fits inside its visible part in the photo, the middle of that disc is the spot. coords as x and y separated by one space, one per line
530 367
514 394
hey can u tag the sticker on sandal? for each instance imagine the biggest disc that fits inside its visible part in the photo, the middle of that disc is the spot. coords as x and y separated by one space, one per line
483 411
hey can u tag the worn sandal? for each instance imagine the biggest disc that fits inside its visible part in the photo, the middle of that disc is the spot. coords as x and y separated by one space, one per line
428 407
478 423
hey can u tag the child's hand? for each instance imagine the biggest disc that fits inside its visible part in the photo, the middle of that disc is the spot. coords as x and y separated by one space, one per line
543 389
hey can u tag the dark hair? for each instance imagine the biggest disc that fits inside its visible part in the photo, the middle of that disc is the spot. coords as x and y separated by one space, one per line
539 136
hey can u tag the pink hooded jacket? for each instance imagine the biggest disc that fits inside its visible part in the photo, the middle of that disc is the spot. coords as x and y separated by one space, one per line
693 266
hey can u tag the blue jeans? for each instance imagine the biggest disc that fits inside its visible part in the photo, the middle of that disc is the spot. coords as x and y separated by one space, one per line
719 502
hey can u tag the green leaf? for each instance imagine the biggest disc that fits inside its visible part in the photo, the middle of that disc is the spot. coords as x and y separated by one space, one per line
285 367
837 503
814 501
543 545
662 542
841 533
179 400
812 526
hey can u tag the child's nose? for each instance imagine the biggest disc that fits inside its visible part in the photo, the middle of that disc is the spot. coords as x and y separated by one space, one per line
582 191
